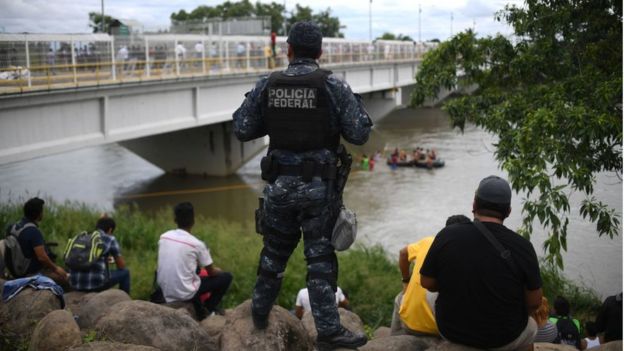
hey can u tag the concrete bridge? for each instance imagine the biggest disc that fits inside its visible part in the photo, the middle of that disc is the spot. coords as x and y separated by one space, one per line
172 108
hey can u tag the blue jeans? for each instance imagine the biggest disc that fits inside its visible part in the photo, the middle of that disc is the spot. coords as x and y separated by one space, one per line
121 277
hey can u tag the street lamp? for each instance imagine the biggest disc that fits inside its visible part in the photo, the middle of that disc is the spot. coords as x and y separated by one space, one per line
370 20
102 19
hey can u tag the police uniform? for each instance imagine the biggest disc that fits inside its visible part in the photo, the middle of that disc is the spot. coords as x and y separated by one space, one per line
304 110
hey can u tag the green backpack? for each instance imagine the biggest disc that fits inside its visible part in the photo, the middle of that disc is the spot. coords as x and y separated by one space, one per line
83 251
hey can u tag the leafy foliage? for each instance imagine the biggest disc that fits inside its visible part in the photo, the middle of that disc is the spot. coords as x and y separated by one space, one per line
330 26
392 36
553 95
95 22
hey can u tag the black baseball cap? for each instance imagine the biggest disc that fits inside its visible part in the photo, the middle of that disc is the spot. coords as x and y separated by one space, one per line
305 34
495 190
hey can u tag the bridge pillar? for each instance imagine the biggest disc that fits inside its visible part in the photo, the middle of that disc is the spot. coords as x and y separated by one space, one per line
380 103
206 150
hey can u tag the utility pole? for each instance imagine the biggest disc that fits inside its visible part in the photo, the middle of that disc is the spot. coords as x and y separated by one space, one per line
370 21
102 22
419 27
451 24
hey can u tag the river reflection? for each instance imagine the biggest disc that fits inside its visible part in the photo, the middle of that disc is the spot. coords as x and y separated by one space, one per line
394 208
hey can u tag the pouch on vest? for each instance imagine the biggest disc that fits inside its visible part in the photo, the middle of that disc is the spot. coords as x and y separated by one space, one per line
345 229
14 258
83 251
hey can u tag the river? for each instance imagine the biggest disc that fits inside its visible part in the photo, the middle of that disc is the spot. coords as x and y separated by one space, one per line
394 208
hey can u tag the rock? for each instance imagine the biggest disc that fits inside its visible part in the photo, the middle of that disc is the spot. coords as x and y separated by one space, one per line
545 346
98 306
610 346
112 346
214 325
348 319
381 332
285 331
448 346
183 305
145 323
20 315
74 301
56 332
401 343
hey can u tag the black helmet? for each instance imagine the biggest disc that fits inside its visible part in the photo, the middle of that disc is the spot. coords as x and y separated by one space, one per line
305 35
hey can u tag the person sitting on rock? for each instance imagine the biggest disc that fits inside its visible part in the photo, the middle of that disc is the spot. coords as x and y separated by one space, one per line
413 307
181 256
100 277
36 254
302 304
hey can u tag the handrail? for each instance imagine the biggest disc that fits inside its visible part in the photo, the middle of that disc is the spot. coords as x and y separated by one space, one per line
107 60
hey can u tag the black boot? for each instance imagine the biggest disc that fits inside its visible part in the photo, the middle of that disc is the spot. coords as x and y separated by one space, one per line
260 321
343 338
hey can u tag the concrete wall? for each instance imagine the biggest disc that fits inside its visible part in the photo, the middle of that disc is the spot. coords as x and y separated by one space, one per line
156 119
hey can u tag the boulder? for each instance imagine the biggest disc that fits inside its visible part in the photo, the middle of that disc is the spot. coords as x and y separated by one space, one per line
448 346
214 325
20 315
546 346
112 346
183 305
74 301
98 306
348 319
610 346
284 332
145 323
55 332
382 332
401 343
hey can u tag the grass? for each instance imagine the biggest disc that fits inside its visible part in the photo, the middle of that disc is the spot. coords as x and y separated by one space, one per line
366 273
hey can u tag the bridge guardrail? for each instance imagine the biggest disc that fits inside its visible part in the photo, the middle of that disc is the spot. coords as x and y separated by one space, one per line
30 62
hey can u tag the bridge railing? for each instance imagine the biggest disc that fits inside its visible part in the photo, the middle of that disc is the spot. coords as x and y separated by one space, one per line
45 62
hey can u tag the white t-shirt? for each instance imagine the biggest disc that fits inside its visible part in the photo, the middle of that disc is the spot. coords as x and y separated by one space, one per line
592 343
179 254
303 299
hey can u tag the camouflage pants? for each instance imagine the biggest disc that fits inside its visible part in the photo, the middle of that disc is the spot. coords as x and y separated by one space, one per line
291 207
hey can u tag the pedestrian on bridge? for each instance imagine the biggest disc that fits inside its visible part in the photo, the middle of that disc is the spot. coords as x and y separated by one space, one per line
304 110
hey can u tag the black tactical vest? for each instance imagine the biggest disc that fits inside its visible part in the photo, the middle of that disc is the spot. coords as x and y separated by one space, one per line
296 112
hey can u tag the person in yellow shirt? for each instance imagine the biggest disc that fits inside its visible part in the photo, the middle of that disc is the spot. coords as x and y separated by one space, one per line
414 306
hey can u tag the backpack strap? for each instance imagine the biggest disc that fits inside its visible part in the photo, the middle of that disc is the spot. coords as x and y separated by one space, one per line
504 253
16 232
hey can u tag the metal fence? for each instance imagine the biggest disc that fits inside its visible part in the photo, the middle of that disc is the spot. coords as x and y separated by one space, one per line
38 61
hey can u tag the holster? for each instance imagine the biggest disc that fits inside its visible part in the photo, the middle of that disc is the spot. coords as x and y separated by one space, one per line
344 169
269 168
260 216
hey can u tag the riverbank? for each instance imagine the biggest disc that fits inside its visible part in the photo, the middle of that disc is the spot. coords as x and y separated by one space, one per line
366 273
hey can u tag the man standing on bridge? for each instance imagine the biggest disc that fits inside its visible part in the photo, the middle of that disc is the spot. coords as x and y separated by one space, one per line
304 110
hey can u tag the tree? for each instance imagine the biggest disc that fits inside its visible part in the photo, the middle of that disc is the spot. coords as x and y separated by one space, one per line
275 11
228 9
391 36
553 96
95 22
330 26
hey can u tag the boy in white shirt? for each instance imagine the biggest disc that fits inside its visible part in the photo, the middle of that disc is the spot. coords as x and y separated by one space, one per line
302 304
180 257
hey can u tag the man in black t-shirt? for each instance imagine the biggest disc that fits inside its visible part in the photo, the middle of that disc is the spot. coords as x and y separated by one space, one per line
484 302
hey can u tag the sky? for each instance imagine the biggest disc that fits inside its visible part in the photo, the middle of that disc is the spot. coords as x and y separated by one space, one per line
394 16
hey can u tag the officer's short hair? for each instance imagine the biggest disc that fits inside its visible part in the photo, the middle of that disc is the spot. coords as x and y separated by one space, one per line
184 214
33 208
306 39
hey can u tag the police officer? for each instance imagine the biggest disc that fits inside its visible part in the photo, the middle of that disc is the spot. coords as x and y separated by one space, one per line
304 110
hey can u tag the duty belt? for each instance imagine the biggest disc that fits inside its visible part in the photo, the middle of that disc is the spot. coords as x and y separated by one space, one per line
308 169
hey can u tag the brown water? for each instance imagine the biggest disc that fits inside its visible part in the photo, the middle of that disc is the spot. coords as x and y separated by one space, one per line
394 207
